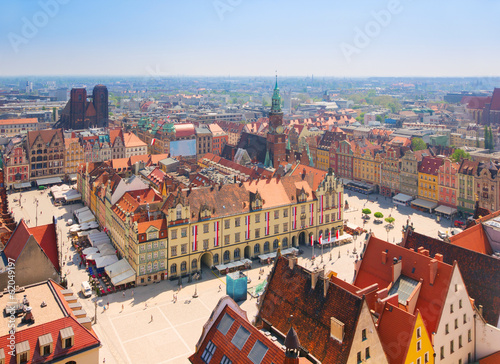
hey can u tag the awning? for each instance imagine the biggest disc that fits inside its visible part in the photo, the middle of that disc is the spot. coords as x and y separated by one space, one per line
105 261
106 249
48 181
424 203
401 197
22 185
445 210
93 256
220 267
87 216
89 250
73 177
120 272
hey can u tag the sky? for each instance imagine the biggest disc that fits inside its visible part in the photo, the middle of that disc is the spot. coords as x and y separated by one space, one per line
445 38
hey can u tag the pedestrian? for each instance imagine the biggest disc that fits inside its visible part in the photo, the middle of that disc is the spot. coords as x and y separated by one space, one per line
132 293
151 318
108 304
220 288
145 305
104 360
122 307
123 294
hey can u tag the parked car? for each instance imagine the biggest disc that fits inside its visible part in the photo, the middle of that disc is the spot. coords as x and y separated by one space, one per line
459 224
442 234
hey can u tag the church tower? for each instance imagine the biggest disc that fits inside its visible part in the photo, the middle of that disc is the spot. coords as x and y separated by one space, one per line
276 146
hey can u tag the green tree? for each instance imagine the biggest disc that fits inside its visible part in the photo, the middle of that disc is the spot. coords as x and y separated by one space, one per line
264 102
366 212
458 155
418 144
389 219
378 215
486 139
54 112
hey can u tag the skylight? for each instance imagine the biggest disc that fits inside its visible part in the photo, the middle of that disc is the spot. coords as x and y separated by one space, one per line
258 352
241 337
225 324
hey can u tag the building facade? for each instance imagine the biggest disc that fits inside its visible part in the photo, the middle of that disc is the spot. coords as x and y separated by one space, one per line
428 178
389 172
73 154
448 183
366 165
46 153
15 163
408 177
466 182
11 127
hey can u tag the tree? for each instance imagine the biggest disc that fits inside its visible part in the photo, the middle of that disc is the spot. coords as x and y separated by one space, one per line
486 139
366 212
418 144
389 219
378 215
54 113
459 154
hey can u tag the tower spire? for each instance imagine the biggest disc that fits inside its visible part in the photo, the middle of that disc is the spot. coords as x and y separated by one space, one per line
276 101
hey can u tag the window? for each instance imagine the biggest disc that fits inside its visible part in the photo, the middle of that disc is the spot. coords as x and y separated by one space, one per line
183 266
285 213
184 232
256 249
209 352
226 239
418 361
46 350
285 227
367 353
452 347
276 214
173 269
240 338
216 258
173 251
456 324
460 304
469 336
178 212
419 332
237 253
359 357
227 224
446 329
257 233
184 248
205 228
226 255
276 229
237 222
442 352
225 360
451 308
419 345
465 318
460 341
258 352
426 357
266 247
363 335
257 218
174 234
237 237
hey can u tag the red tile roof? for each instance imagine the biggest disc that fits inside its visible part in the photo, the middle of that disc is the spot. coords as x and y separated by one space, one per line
491 359
415 266
184 130
495 100
224 346
430 165
46 236
17 241
473 238
19 121
311 310
160 224
318 174
480 272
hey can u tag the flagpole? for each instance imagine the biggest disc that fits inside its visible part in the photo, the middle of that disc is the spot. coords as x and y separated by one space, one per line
312 242
321 242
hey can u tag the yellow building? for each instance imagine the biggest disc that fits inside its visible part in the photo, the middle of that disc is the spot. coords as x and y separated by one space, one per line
323 159
460 140
428 178
220 225
74 155
366 165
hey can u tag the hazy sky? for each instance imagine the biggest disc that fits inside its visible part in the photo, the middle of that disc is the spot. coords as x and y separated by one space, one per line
250 37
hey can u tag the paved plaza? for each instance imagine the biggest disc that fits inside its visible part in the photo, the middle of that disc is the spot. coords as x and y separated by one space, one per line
145 325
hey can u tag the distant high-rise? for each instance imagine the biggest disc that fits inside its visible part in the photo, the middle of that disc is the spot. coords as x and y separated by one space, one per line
81 113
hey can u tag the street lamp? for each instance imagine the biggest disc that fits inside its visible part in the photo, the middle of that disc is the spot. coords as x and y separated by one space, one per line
355 237
387 228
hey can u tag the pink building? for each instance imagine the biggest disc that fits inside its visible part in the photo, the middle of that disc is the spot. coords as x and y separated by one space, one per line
448 183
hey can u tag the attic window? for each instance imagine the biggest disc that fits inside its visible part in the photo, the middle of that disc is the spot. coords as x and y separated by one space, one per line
46 344
67 337
258 352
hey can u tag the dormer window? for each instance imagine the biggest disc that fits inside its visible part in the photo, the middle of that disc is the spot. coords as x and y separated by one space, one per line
46 344
23 351
179 212
67 337
152 235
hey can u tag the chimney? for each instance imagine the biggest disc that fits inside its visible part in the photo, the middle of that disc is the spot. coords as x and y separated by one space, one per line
314 277
433 270
425 252
420 250
326 285
292 262
438 257
396 270
480 309
384 257
336 329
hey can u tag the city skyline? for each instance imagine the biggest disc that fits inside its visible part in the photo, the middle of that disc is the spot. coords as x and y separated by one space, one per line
241 38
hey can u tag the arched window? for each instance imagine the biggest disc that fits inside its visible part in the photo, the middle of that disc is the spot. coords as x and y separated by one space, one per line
173 268
237 253
326 234
216 258
183 266
33 159
39 158
284 243
275 244
226 255
266 247
194 264
256 249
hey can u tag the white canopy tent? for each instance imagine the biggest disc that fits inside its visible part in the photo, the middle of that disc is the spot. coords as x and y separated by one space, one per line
446 210
402 199
106 249
120 272
93 256
87 216
90 250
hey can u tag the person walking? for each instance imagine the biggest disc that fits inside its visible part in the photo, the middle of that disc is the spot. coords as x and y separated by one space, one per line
122 307
151 318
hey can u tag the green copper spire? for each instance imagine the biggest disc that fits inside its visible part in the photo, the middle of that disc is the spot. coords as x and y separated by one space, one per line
276 102
267 161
